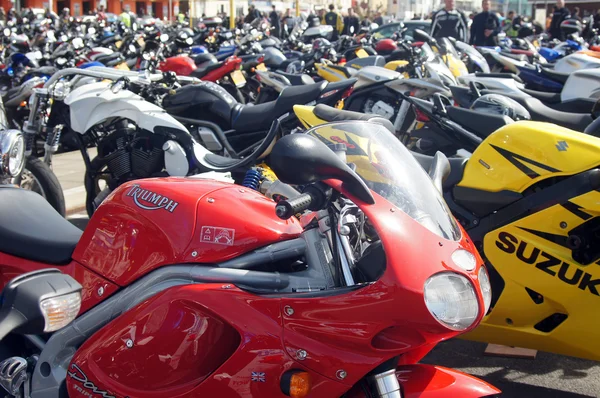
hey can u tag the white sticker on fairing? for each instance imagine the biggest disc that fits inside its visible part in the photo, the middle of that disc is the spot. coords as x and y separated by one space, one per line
217 235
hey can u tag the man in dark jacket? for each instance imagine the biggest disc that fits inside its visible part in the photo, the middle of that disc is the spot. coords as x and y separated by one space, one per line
558 17
275 23
449 22
334 19
485 27
351 23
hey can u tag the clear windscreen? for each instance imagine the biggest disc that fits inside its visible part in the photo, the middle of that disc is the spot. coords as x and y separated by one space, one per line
389 169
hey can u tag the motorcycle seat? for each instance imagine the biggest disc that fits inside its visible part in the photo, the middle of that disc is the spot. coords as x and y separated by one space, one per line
556 76
481 124
550 98
33 230
542 113
330 114
457 168
201 72
297 79
256 118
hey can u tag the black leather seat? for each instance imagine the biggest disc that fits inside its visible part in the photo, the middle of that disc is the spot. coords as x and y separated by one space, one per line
256 118
297 79
33 230
457 168
331 114
542 113
481 124
548 98
201 72
556 76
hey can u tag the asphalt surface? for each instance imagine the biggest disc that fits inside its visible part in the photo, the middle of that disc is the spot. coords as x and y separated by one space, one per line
547 376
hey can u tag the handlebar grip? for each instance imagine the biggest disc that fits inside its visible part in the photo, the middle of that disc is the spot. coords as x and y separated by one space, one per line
287 208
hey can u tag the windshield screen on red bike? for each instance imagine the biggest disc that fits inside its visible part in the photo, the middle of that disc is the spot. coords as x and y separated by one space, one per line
389 169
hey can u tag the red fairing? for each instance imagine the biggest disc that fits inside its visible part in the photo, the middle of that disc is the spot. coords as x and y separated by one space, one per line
92 283
428 381
230 64
529 53
201 340
180 64
149 223
358 330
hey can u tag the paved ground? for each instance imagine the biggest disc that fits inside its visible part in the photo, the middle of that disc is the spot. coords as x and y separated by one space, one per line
547 376
69 169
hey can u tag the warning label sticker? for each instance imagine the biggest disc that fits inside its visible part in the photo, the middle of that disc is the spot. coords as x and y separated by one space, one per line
217 235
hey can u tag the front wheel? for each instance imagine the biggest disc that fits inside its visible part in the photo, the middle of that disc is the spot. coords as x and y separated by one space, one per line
38 177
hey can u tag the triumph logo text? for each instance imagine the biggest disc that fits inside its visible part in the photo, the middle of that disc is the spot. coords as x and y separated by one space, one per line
149 200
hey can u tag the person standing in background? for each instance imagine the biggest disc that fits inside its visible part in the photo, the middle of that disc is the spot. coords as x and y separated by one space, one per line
485 27
576 14
450 22
334 19
275 23
558 17
378 19
351 23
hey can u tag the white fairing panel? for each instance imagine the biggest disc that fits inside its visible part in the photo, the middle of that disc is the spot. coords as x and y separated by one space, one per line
509 86
574 62
374 74
582 84
94 103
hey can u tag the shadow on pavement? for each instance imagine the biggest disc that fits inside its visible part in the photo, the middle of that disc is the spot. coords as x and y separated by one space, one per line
560 376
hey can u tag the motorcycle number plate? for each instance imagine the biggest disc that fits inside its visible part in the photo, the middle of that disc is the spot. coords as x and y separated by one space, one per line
261 67
238 78
140 41
118 44
360 53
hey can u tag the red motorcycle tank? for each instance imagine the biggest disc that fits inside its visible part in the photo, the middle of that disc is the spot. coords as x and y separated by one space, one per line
181 65
149 223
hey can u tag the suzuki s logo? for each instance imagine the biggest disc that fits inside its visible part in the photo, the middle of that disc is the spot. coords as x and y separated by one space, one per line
553 266
79 376
149 200
562 146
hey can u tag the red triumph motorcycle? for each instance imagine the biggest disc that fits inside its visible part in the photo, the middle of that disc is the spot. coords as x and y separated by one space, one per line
200 288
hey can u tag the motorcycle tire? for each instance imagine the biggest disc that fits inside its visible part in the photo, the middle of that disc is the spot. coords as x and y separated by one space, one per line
44 182
234 91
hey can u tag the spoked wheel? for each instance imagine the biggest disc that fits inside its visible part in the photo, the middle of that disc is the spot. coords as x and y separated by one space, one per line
97 184
39 178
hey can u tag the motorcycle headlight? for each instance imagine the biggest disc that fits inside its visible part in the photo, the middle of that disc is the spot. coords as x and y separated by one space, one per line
12 153
486 288
452 300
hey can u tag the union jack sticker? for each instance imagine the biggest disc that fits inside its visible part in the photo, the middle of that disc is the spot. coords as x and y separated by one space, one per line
258 376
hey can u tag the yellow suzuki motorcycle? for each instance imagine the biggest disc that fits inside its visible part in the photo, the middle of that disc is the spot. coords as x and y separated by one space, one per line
529 197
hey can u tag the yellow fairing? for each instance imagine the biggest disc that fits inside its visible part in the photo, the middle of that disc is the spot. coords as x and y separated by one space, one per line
549 301
332 73
396 65
521 154
527 257
306 116
456 66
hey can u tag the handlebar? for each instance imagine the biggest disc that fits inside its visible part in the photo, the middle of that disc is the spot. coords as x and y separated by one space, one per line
286 209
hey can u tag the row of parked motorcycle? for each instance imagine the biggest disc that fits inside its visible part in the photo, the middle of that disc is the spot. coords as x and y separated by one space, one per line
292 218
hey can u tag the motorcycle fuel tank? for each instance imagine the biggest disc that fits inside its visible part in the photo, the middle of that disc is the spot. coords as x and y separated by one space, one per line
181 65
145 224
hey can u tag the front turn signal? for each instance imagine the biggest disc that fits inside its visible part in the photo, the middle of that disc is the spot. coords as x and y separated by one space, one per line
296 383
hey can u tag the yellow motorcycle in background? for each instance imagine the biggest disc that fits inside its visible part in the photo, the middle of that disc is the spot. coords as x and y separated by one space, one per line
529 197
